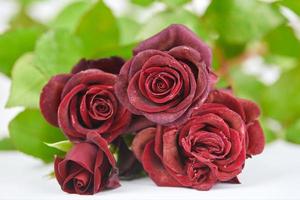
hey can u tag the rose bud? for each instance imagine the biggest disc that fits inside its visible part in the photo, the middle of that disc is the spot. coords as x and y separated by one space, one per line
88 167
210 147
85 100
169 75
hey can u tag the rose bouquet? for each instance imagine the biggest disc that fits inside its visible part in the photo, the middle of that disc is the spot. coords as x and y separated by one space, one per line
158 112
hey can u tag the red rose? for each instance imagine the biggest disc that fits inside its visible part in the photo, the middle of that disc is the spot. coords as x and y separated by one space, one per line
85 100
88 168
169 75
211 146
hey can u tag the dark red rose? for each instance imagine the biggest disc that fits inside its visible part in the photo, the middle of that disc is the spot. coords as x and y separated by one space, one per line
169 75
88 168
85 100
210 147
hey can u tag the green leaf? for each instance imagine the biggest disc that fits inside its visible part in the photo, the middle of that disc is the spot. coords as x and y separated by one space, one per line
281 101
128 29
6 144
247 86
13 44
98 29
294 5
282 41
70 16
175 3
239 21
284 62
23 20
57 52
270 135
144 3
28 2
164 19
64 146
293 133
27 82
29 131
123 51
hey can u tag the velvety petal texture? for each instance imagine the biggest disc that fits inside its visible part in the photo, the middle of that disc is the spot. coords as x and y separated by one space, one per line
210 147
88 167
169 75
85 100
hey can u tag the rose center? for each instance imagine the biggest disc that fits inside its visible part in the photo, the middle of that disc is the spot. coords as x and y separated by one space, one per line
197 171
97 105
161 84
100 108
81 181
203 143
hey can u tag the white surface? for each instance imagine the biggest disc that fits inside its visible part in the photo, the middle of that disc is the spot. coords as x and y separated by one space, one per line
272 175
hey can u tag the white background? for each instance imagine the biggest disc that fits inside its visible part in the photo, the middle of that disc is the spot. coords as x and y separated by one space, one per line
273 175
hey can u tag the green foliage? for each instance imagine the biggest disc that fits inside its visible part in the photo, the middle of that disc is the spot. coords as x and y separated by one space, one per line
69 17
293 133
247 86
13 44
98 30
239 21
282 41
57 51
164 19
294 5
281 101
144 3
6 144
128 29
64 145
29 131
27 2
27 82
175 3
270 135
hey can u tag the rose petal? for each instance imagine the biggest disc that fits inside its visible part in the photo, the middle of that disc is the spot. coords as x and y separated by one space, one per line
110 65
59 178
140 141
220 97
171 157
251 109
172 36
120 88
256 138
50 97
63 115
89 77
155 169
83 154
